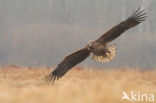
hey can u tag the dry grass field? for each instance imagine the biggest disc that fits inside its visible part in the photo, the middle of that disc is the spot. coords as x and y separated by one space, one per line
80 85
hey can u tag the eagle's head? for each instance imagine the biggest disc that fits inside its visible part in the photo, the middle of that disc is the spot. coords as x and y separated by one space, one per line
92 44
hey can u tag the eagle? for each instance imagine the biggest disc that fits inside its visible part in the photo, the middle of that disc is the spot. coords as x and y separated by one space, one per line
100 50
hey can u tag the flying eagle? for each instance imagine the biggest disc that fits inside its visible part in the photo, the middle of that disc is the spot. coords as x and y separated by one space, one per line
99 48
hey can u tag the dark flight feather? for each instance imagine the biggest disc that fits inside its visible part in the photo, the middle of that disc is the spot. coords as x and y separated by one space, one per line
68 62
136 17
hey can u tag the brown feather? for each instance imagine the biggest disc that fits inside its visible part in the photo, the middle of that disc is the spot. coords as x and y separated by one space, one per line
136 17
68 62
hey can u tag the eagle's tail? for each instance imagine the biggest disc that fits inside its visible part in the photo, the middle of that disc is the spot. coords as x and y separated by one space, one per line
110 55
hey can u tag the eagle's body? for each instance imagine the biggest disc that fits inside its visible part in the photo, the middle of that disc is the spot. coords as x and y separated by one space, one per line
96 48
99 48
101 52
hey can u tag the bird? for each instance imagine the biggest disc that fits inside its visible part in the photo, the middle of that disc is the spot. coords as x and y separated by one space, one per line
99 48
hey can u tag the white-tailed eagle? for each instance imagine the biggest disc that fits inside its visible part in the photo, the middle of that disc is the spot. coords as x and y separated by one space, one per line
99 48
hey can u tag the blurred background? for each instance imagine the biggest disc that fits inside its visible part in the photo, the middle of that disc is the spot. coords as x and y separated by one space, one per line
43 32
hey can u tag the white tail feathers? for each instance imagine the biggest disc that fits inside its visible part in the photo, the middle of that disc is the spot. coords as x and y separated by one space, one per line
108 56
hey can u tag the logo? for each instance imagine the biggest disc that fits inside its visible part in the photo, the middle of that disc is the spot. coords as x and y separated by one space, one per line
137 96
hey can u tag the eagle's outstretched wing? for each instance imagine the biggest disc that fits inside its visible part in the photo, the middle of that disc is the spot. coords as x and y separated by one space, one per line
68 62
136 17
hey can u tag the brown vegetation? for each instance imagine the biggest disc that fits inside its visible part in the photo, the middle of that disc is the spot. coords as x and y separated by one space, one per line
80 85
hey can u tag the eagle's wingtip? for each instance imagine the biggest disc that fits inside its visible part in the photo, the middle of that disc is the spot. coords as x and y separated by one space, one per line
139 14
50 78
